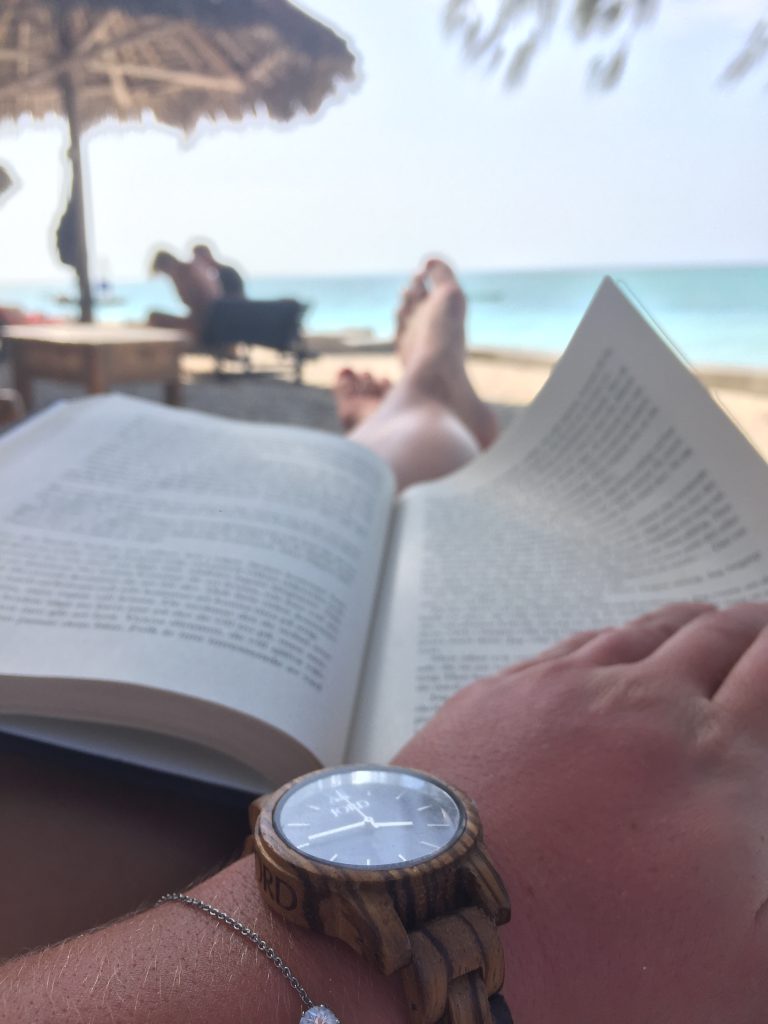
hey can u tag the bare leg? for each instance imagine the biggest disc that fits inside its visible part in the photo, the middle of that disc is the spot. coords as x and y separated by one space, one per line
431 422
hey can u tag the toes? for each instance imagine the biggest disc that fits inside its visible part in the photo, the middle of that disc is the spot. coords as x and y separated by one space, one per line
413 293
347 382
351 384
375 387
368 385
439 272
417 289
411 297
403 311
443 280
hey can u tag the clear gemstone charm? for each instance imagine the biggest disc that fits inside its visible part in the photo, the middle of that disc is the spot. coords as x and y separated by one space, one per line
319 1015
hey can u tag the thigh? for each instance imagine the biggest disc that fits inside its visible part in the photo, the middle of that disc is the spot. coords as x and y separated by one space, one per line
84 840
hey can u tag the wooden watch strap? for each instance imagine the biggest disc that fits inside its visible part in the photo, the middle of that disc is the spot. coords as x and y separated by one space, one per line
468 1001
457 965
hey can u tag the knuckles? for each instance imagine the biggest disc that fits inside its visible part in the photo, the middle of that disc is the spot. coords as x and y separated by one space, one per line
614 707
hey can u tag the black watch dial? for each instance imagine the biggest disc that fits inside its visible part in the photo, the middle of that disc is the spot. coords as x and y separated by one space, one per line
369 817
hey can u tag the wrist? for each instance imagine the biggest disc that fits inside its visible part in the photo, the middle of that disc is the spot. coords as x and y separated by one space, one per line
340 854
330 972
174 964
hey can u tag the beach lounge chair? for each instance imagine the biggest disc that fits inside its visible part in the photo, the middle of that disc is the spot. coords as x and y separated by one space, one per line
275 324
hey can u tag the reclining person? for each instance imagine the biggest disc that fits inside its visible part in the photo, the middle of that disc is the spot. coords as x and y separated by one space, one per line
219 313
198 288
230 279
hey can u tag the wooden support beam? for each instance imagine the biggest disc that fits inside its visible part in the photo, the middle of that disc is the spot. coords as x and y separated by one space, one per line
72 59
98 37
184 79
213 53
96 32
149 29
121 92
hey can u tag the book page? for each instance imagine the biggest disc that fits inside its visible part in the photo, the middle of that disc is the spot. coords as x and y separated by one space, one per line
149 554
623 487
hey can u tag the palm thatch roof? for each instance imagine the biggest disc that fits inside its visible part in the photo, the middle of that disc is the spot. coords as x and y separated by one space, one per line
180 59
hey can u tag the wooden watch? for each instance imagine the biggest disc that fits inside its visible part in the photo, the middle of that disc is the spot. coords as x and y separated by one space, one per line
392 862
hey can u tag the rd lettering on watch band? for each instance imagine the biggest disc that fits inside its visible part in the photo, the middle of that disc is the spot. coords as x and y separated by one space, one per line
392 862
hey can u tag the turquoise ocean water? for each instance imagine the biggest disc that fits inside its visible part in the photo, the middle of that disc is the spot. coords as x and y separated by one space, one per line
712 314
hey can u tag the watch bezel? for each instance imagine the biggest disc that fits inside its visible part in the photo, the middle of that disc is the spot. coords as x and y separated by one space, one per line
267 832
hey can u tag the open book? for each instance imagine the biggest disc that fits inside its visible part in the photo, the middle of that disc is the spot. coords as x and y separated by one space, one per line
242 603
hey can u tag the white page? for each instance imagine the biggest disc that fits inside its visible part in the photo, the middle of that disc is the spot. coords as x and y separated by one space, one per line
174 553
623 487
163 753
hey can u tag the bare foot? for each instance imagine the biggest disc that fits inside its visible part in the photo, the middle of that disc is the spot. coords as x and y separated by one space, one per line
357 396
430 340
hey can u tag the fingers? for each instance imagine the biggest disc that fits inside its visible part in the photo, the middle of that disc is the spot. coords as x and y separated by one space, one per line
720 655
625 644
559 650
702 653
745 689
641 637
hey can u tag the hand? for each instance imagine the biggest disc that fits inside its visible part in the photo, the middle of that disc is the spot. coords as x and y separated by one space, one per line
622 778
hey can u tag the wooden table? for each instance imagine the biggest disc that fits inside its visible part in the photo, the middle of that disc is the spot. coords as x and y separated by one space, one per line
98 356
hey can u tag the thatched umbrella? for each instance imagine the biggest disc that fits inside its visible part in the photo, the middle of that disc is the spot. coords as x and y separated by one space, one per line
181 60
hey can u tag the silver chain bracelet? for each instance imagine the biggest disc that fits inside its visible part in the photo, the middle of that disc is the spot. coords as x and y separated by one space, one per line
315 1013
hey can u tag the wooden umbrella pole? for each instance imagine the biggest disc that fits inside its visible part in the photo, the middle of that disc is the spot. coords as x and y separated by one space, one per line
69 95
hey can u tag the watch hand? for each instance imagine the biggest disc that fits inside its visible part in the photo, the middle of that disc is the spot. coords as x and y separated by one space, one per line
341 828
352 806
390 824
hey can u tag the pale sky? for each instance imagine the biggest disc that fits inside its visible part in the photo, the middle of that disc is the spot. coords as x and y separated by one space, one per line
427 153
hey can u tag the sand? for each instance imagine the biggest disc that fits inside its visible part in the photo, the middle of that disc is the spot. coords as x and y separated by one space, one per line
509 381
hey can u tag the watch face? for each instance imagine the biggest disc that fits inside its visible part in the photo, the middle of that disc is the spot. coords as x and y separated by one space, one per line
369 817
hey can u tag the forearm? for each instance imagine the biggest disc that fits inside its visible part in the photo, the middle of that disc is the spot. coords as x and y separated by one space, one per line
175 964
